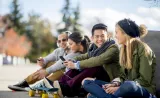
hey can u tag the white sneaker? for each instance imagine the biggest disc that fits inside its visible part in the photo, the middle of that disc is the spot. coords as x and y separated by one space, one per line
48 83
37 85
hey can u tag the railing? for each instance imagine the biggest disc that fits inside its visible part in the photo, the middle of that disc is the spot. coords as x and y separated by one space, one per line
13 60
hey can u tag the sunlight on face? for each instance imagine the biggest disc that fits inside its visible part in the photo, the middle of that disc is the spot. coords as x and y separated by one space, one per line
120 36
99 37
62 41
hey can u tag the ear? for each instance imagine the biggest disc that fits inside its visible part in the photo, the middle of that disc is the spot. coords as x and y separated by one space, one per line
58 45
107 35
92 38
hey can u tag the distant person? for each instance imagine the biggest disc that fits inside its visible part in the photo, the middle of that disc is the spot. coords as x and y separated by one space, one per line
137 62
43 62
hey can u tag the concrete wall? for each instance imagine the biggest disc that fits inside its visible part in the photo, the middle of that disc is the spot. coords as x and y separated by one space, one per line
153 40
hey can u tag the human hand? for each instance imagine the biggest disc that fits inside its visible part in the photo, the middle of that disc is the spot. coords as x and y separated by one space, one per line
111 90
40 74
40 62
69 64
107 86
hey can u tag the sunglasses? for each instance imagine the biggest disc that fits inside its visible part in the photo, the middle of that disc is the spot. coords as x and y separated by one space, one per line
63 40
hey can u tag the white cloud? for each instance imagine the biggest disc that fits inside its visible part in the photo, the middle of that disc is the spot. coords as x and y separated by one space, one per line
151 16
153 12
148 16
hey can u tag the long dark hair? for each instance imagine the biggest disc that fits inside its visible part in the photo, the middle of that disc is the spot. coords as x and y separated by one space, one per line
77 37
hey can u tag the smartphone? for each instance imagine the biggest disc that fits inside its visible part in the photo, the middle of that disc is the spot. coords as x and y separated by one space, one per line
62 58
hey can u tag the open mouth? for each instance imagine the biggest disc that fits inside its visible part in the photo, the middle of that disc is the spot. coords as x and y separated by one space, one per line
100 43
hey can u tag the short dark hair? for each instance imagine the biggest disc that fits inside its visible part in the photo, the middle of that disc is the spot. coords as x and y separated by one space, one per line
99 26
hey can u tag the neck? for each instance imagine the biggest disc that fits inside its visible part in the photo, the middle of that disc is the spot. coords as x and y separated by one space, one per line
66 48
81 49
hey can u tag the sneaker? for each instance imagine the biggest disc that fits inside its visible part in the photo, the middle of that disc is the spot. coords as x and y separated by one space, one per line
48 83
37 85
28 89
45 83
19 86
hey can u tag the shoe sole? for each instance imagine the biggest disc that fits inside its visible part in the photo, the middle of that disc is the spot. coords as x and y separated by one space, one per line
15 88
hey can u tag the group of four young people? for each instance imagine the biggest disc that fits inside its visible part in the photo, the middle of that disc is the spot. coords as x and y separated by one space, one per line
113 73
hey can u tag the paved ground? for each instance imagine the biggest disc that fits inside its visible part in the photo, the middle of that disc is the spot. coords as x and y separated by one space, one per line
8 94
10 74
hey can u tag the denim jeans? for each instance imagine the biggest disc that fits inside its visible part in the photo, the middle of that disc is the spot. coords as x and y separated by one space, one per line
129 89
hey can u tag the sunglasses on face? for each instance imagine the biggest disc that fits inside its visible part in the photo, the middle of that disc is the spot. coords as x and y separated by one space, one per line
63 40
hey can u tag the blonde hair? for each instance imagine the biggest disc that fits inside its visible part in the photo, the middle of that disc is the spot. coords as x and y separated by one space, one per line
126 51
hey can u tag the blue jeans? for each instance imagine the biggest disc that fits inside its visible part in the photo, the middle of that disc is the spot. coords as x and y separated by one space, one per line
129 89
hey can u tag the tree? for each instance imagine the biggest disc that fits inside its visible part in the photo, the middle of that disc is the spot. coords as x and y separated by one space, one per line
70 18
154 2
66 19
16 17
39 33
76 25
20 43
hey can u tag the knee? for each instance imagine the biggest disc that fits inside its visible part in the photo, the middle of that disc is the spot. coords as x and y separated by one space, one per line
83 81
129 86
86 80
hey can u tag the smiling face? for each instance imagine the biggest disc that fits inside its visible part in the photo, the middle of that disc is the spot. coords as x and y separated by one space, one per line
62 41
120 36
99 37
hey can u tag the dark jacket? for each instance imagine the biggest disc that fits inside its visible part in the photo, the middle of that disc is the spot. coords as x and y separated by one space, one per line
109 60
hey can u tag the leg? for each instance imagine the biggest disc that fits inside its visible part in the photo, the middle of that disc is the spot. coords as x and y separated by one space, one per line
48 82
95 89
75 82
97 72
66 90
131 89
31 79
57 85
90 96
56 75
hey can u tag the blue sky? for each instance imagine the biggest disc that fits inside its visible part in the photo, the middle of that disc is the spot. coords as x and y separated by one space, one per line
54 6
107 11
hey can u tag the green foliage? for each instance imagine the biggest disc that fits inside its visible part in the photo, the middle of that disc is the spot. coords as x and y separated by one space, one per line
70 18
39 32
76 25
16 17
